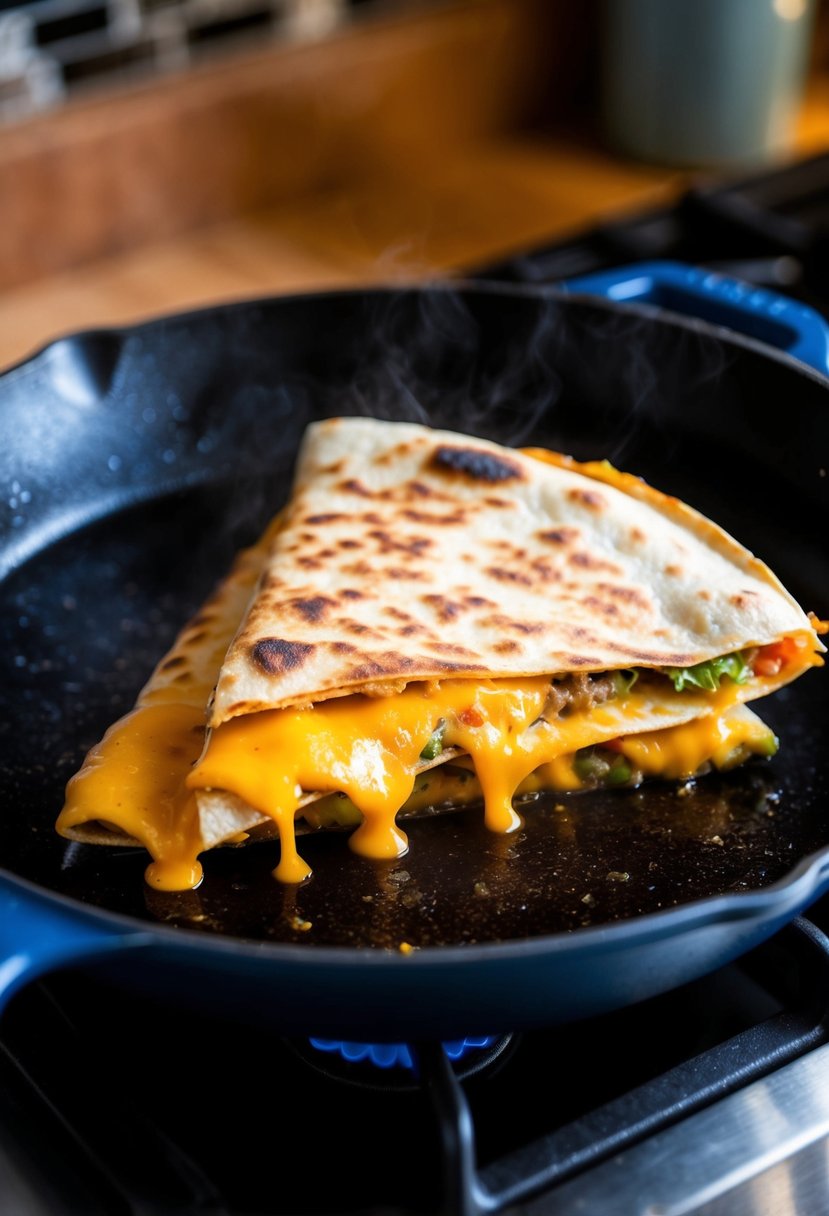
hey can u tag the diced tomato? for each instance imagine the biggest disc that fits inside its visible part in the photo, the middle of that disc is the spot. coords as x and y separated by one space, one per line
471 717
770 660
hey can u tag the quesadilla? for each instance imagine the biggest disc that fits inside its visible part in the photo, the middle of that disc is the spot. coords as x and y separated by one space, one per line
431 618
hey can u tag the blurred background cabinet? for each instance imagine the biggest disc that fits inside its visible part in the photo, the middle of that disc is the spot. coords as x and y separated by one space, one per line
164 154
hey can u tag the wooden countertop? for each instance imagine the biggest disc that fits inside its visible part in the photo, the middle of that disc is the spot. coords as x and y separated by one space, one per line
489 201
483 195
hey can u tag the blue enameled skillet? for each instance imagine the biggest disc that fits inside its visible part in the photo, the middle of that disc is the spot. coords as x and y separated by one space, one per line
134 462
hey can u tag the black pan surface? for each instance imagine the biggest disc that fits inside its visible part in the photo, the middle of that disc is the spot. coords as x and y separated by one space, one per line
135 463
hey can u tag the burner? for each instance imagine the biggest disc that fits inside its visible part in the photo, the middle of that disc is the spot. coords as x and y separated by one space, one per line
396 1065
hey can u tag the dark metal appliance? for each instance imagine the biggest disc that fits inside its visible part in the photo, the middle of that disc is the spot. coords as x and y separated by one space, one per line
667 1051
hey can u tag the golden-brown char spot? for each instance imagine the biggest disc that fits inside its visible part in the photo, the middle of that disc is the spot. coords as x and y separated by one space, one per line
352 485
193 639
327 553
448 666
509 549
449 648
586 561
349 625
420 489
351 593
637 535
494 501
587 498
477 601
672 570
312 609
546 572
502 575
602 606
173 662
475 463
326 517
742 599
408 631
396 613
349 544
558 536
387 664
626 594
445 609
506 647
413 545
360 568
275 656
333 468
343 648
498 620
309 563
434 519
704 593
371 517
399 452
403 572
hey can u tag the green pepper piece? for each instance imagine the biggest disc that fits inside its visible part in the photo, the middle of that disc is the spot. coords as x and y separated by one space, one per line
434 744
590 767
620 772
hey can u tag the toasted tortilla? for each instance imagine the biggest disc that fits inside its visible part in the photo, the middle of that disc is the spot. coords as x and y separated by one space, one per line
413 554
408 555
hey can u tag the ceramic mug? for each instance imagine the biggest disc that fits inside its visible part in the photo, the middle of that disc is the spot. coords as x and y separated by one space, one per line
704 82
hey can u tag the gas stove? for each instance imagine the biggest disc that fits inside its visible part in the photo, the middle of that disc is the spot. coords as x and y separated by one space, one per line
712 1098
771 230
707 1100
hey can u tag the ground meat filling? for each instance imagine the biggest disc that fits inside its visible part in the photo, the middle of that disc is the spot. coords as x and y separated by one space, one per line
578 693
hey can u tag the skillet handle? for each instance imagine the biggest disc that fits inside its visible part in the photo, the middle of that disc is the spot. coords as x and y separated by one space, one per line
39 933
777 321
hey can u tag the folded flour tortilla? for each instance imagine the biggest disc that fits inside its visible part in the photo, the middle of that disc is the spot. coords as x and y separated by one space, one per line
428 599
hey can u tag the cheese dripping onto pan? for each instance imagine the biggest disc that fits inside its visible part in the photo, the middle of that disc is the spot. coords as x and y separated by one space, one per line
148 769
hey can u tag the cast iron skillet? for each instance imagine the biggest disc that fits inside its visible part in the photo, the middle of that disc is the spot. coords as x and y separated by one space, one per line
135 462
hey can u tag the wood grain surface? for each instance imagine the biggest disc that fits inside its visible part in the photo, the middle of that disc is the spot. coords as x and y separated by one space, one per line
400 150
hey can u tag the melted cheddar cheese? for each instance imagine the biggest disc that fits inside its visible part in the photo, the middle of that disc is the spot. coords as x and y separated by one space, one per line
151 768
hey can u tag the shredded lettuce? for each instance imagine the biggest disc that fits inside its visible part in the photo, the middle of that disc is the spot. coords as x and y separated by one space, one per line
624 680
708 675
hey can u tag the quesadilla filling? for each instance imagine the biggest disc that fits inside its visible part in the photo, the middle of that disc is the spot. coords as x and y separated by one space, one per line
577 731
361 755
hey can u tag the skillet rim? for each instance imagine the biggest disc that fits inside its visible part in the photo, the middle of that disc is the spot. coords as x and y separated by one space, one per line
495 287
